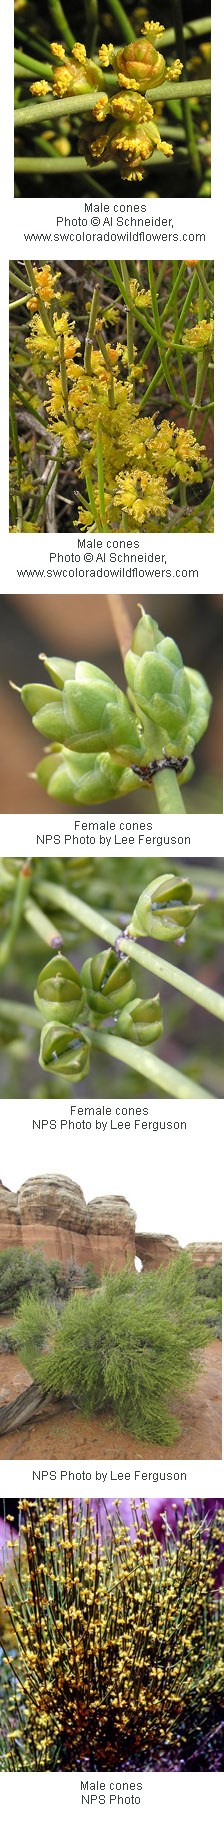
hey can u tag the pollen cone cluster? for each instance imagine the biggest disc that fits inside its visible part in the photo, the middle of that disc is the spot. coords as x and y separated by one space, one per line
122 127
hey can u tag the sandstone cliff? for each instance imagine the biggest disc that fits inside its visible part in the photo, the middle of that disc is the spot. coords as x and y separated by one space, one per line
51 1212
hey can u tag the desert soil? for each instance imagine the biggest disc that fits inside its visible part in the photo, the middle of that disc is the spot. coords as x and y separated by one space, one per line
76 1437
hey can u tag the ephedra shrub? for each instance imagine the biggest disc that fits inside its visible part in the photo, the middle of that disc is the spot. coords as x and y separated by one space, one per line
126 1350
119 1644
111 398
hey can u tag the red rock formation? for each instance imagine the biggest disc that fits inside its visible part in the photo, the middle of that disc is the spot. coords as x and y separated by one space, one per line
51 1212
156 1249
206 1255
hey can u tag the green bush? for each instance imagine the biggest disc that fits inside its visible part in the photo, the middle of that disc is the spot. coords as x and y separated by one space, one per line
21 1271
90 1279
209 1285
126 1350
209 1281
33 1327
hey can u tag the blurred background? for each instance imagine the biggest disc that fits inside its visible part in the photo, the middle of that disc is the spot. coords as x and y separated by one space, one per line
82 627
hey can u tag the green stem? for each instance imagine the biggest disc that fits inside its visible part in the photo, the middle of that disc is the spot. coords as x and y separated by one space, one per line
17 301
194 155
201 994
168 794
73 167
122 20
176 338
181 91
92 501
205 286
49 483
100 477
38 43
92 21
63 376
15 279
203 357
107 363
54 110
201 374
156 319
15 440
170 304
180 362
20 895
59 20
196 28
209 501
130 315
78 104
30 64
164 1078
108 932
90 330
20 1014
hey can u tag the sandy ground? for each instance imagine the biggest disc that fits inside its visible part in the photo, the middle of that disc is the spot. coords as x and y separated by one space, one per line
76 1437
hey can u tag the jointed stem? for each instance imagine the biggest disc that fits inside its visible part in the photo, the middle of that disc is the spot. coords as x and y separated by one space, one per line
51 109
168 793
33 66
194 154
59 20
121 17
108 932
92 20
13 1013
21 890
151 1067
90 330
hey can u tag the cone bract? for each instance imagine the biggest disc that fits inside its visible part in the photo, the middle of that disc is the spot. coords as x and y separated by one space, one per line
171 696
59 992
87 713
64 1051
140 63
164 910
108 982
141 1021
82 778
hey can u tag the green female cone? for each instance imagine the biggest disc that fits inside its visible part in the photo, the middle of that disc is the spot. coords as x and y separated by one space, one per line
164 910
87 713
59 993
83 778
201 704
64 1051
146 635
174 698
161 691
108 983
141 1021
